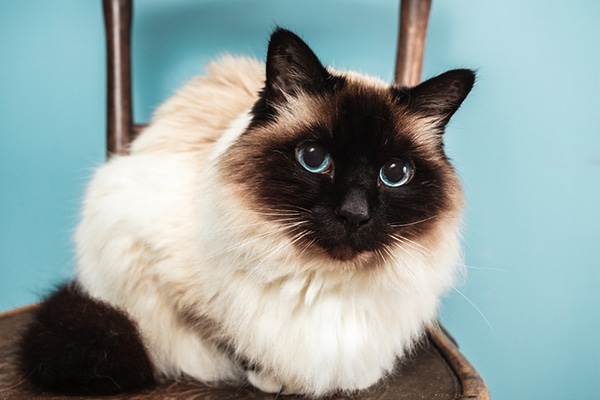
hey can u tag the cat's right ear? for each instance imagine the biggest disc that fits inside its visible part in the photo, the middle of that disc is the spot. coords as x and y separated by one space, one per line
292 68
440 97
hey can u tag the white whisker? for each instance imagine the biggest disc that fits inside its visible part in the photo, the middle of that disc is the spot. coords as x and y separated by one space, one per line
486 268
411 244
413 223
468 301
247 242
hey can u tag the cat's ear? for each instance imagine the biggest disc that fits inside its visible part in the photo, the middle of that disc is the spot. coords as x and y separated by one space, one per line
292 68
438 98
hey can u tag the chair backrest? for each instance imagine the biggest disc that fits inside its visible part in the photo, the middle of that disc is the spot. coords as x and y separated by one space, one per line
412 31
119 113
121 129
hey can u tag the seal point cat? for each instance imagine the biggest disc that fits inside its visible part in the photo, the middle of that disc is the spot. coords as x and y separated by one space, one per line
283 224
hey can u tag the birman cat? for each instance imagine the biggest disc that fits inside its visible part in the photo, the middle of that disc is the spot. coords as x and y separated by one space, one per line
281 224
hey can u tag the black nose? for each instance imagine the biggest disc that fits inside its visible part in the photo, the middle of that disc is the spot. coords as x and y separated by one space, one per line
354 210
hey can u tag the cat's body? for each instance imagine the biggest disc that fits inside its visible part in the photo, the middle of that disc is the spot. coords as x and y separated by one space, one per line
240 254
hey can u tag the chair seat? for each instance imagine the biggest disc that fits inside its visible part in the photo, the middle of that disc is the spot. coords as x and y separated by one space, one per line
436 370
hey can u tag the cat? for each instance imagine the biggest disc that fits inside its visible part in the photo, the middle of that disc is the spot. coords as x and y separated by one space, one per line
282 224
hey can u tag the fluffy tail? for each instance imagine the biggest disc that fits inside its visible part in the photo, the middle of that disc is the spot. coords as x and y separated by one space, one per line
79 345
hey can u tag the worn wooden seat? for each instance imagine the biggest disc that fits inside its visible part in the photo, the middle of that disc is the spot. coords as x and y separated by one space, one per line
436 370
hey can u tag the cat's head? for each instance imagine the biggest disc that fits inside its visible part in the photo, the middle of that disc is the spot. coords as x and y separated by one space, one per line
345 164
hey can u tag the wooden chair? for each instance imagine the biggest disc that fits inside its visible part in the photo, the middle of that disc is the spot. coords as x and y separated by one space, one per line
436 371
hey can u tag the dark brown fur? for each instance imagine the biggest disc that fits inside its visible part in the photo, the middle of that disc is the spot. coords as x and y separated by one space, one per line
78 345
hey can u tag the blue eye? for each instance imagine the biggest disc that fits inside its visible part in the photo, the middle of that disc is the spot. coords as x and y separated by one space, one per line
313 157
396 173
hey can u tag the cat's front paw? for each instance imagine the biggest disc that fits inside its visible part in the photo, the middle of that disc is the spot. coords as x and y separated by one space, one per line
269 384
264 381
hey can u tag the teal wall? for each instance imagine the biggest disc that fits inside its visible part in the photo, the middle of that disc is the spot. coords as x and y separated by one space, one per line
526 143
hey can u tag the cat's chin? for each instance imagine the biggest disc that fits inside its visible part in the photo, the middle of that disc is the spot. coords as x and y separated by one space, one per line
346 257
340 258
344 252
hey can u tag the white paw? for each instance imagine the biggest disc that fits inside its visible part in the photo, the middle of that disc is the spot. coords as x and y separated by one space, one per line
264 382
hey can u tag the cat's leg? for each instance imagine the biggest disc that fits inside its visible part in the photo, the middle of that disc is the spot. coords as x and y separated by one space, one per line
182 352
180 345
79 345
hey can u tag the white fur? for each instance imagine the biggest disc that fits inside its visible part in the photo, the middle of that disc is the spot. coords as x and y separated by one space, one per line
164 239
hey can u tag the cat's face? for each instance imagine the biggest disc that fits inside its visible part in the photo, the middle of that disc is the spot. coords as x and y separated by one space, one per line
345 164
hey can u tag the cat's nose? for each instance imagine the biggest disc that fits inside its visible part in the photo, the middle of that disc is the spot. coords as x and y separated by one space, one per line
354 210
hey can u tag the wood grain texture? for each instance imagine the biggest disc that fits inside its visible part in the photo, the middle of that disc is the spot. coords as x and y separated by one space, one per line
426 375
472 384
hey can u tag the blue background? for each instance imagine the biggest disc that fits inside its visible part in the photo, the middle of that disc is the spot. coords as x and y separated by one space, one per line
526 143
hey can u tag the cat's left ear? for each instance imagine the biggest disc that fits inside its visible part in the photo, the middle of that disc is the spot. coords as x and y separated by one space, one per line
438 98
292 68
